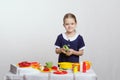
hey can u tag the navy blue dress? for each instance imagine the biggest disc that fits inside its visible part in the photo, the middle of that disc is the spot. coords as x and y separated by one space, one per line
76 43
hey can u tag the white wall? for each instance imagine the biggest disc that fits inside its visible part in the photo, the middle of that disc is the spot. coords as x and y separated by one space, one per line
28 30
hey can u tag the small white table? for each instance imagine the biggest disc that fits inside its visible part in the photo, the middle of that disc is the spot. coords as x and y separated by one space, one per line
89 75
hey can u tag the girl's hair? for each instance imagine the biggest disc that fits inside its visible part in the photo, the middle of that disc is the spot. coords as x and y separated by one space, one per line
69 15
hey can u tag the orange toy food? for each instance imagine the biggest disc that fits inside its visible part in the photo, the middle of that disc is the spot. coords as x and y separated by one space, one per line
75 67
88 65
35 65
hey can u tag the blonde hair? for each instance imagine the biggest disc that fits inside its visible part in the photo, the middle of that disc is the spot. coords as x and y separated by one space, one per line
69 15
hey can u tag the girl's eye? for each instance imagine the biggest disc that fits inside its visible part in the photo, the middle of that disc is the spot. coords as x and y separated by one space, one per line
72 23
66 24
69 24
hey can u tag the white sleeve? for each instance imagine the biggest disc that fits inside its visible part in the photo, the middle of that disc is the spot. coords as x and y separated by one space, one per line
82 48
57 46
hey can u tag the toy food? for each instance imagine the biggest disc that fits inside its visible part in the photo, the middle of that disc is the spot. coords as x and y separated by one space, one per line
24 64
46 69
75 67
54 68
60 72
84 67
88 65
35 65
49 64
65 65
66 47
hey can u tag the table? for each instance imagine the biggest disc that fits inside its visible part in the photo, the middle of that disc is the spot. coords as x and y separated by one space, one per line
89 75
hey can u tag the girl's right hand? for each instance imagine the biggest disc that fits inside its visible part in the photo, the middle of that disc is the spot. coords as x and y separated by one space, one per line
67 53
63 50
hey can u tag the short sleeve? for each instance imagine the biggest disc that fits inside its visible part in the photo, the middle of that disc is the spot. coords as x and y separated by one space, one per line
58 42
81 43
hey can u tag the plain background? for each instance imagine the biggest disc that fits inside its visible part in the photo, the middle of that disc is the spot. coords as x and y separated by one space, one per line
29 28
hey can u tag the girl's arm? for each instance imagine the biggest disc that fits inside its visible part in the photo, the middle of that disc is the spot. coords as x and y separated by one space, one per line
70 52
60 50
78 53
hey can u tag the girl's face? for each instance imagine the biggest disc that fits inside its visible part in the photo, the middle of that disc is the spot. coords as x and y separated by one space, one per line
70 25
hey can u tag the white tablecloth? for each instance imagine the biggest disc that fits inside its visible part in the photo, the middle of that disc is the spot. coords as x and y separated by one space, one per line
89 75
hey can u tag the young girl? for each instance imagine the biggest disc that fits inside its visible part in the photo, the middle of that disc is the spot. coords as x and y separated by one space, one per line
70 38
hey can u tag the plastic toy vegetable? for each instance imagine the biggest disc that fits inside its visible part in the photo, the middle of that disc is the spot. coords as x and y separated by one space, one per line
66 47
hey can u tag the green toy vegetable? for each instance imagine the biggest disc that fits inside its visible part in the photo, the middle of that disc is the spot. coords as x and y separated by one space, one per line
66 47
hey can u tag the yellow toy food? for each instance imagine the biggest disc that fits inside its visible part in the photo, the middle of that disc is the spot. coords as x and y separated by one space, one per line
65 65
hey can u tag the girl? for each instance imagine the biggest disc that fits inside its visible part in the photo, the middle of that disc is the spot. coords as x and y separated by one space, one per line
70 38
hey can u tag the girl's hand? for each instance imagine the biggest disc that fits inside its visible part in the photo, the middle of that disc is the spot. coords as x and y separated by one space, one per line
63 50
70 52
60 50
